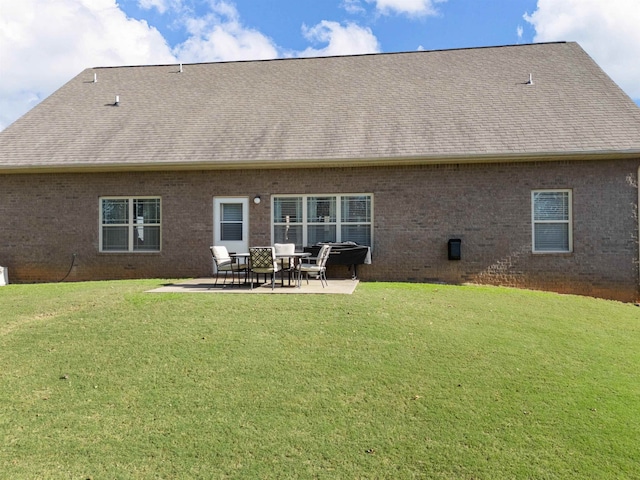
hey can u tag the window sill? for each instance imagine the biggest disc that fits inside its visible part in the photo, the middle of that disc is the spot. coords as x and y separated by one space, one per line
567 254
155 252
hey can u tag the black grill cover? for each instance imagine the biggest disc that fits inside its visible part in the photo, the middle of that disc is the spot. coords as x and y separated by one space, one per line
345 253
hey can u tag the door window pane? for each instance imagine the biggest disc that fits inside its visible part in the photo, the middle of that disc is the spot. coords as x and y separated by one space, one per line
231 212
231 232
231 224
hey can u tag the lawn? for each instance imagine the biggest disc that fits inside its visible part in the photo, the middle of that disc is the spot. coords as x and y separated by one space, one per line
101 380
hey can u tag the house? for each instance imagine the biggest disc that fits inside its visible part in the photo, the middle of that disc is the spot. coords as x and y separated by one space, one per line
527 157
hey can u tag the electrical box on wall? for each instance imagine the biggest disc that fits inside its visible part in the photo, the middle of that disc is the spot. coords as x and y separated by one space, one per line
454 249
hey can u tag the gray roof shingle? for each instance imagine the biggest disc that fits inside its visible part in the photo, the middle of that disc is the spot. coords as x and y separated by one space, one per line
434 106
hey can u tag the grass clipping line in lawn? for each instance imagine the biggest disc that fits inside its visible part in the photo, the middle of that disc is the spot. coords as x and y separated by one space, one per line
100 380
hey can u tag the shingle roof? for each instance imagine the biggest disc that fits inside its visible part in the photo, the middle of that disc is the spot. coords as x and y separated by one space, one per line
432 106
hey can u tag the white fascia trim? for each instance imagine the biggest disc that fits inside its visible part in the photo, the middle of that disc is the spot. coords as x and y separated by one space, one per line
260 164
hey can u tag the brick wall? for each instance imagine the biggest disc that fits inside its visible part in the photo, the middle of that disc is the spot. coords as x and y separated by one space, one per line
45 219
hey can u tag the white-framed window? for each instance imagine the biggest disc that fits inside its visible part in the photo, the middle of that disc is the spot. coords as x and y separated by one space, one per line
309 219
551 221
130 224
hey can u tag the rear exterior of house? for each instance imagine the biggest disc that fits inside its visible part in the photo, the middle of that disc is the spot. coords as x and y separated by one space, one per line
401 152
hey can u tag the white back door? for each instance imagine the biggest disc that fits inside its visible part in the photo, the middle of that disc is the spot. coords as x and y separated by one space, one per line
231 223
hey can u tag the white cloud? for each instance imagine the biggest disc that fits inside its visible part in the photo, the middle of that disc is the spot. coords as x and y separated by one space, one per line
161 5
608 30
353 6
350 39
408 7
45 43
220 36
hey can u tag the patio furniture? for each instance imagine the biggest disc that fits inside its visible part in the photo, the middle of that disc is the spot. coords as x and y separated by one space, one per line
263 260
224 263
319 268
287 264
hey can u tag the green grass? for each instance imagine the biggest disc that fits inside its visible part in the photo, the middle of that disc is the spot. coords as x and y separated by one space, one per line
101 380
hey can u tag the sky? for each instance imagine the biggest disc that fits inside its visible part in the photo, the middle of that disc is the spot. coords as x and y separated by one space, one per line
45 43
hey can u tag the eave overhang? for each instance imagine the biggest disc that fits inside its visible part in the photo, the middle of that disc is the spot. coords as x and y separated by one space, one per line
263 164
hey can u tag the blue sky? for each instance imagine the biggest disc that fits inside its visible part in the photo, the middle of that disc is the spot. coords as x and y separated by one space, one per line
455 24
44 43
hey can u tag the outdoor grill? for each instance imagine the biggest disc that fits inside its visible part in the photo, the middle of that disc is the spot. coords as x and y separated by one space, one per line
344 253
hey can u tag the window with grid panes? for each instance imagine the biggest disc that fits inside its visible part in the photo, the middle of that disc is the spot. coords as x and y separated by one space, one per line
310 219
130 224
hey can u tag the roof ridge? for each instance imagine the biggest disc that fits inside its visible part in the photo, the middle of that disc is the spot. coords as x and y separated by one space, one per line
282 59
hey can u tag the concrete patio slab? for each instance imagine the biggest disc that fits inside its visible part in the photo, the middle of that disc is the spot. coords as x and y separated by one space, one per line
207 285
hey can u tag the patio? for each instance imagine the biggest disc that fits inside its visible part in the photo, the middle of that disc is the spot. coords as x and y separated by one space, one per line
207 285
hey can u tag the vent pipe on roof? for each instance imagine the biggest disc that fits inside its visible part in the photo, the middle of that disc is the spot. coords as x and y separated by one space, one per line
180 68
530 82
95 78
117 102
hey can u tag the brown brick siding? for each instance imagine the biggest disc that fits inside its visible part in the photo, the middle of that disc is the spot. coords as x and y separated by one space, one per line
45 219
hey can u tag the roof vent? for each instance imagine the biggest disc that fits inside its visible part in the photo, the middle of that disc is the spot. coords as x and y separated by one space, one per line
530 82
95 78
117 102
180 68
